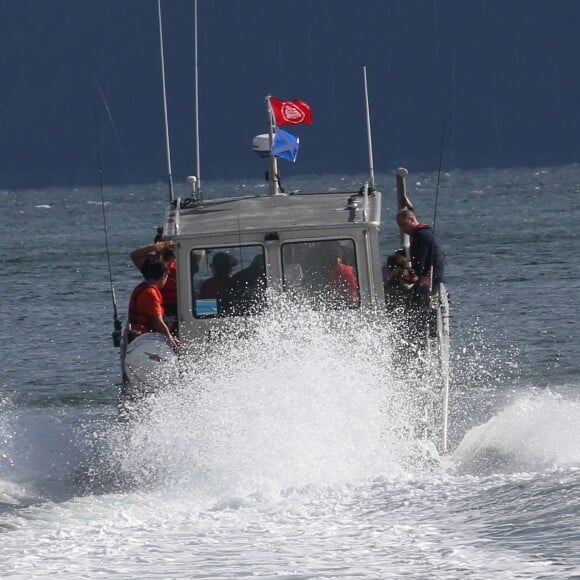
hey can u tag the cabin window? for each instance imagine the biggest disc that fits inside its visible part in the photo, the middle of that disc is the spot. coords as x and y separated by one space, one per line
227 280
324 271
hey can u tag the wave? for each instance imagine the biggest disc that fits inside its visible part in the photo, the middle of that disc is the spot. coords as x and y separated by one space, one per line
537 431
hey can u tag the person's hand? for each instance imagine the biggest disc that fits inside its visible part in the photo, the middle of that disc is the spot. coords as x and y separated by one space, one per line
164 245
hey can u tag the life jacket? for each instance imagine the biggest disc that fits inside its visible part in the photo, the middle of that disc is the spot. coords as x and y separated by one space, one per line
343 279
139 320
169 291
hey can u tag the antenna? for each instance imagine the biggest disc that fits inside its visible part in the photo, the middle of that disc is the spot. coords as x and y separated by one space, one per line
369 136
167 147
197 188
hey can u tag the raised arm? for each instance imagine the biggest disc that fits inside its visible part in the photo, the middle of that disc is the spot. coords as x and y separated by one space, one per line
139 255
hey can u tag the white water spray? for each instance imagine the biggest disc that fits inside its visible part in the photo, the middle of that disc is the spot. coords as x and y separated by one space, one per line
303 397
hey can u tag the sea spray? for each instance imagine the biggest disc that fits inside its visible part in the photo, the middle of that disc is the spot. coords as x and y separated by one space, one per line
292 397
536 430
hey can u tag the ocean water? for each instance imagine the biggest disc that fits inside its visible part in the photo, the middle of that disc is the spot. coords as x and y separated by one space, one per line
292 455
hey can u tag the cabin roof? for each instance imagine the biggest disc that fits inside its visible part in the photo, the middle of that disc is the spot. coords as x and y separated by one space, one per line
276 213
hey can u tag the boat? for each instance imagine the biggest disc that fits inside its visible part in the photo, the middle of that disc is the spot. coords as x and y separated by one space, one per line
279 243
322 248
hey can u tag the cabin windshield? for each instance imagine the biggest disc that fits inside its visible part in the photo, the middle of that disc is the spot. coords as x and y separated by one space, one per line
324 271
227 281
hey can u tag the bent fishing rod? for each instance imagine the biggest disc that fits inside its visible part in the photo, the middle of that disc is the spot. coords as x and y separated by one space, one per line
116 334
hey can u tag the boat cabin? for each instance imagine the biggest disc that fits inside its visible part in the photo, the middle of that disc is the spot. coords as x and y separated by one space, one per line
230 251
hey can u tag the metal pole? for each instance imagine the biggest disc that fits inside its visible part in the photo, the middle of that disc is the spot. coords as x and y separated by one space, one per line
167 146
369 135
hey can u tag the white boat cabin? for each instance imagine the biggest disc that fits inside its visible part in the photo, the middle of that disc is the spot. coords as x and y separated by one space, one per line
284 242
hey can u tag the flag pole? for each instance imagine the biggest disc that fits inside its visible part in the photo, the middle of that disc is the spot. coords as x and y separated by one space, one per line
272 162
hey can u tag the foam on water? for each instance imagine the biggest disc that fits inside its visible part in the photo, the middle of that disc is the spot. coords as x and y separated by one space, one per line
304 397
290 449
537 430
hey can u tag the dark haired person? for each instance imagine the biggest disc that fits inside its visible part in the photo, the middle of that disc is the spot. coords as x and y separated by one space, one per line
146 304
245 294
162 250
425 250
427 259
398 282
222 267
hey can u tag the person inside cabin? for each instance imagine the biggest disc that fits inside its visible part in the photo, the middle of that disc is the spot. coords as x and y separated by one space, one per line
398 282
162 250
342 278
245 293
222 267
146 303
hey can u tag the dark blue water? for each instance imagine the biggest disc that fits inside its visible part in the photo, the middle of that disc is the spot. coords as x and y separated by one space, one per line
504 503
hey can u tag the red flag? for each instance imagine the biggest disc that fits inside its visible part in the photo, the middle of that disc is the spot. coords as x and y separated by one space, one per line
290 112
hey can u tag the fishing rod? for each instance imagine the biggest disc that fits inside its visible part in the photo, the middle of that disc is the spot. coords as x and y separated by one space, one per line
437 187
118 326
437 299
440 168
114 127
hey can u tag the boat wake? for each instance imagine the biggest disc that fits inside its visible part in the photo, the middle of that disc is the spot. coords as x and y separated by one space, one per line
42 453
537 431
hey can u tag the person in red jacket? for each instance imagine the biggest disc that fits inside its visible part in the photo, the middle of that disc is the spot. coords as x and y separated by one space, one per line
342 280
146 304
164 250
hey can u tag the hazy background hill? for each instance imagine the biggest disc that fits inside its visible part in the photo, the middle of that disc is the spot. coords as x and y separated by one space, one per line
513 98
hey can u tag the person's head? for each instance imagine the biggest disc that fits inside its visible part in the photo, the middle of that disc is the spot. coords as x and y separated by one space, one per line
396 264
407 220
396 261
223 265
333 253
155 271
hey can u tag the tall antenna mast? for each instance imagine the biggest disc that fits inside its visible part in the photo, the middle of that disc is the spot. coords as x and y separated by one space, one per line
197 160
167 147
369 136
